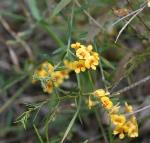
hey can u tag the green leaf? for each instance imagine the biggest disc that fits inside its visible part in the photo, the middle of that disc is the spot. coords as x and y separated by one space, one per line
61 5
13 15
107 63
34 9
70 125
45 25
38 134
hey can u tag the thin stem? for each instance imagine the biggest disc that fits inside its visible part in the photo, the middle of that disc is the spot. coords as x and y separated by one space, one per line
15 36
127 23
87 13
139 110
140 19
133 85
101 126
103 77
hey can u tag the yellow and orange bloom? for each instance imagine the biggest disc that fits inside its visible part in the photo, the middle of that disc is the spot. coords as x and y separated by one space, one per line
48 77
119 130
91 62
114 109
106 102
57 78
118 120
91 103
125 125
90 59
47 67
79 66
100 93
65 74
132 129
69 65
95 55
128 108
41 73
48 87
89 48
82 53
76 45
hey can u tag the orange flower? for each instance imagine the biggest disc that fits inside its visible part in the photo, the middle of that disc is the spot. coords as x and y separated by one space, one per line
76 46
107 103
79 66
91 62
48 87
82 53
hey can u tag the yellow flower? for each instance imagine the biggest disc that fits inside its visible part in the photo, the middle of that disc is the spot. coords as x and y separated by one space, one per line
69 65
114 109
76 46
79 66
33 80
107 103
128 108
89 48
42 73
65 74
82 53
118 120
132 129
48 87
91 103
119 130
91 62
95 55
101 93
47 67
57 78
45 70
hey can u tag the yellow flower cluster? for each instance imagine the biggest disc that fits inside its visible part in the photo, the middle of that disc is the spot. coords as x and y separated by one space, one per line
86 58
123 125
48 77
104 98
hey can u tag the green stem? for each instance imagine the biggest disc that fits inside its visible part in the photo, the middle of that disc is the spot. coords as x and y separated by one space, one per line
52 34
101 126
96 112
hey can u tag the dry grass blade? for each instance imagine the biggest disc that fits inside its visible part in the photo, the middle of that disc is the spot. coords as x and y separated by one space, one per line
14 58
87 13
123 28
70 126
15 36
133 85
139 110
122 18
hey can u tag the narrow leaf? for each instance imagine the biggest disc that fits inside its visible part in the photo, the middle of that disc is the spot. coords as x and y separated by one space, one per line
34 9
70 125
107 63
61 5
37 132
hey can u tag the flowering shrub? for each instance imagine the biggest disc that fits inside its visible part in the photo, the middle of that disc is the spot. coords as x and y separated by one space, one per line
87 59
81 72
